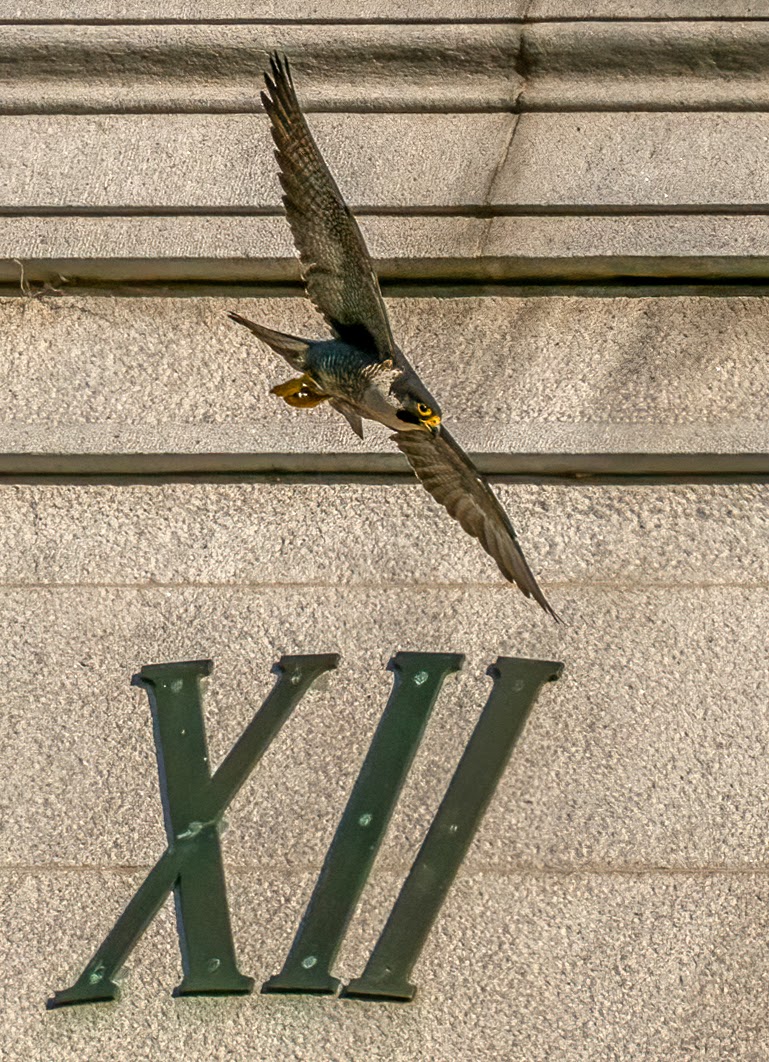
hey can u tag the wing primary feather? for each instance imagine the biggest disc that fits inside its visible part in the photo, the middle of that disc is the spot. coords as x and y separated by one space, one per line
337 270
448 474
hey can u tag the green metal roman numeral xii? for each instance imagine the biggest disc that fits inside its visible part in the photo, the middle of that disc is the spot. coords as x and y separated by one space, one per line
194 802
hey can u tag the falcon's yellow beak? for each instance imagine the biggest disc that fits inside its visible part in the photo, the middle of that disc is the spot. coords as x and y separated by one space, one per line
433 422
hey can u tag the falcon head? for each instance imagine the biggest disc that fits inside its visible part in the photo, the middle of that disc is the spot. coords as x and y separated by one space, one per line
419 409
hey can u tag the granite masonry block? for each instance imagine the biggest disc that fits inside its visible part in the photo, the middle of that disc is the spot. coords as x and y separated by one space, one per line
175 161
64 250
261 534
172 162
289 10
554 375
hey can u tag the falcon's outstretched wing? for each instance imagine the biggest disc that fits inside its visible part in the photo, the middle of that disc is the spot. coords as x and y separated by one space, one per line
449 475
336 266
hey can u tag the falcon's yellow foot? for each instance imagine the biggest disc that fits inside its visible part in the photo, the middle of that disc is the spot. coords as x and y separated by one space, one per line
305 400
290 387
301 393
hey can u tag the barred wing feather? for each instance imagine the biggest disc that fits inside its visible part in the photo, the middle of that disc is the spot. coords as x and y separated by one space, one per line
448 474
336 265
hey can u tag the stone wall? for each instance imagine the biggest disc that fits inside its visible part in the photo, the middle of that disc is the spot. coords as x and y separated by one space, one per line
567 204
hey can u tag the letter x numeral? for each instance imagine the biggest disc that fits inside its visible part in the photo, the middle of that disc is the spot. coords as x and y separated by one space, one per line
194 802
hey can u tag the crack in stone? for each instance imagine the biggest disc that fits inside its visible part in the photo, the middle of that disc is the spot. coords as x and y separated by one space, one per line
519 71
485 232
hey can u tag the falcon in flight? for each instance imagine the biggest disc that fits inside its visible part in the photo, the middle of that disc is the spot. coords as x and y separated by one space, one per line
361 372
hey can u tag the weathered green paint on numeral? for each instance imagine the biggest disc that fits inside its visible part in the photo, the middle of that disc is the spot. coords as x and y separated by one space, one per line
417 683
193 803
516 685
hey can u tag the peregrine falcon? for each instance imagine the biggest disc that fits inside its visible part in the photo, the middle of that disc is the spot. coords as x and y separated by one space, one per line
361 372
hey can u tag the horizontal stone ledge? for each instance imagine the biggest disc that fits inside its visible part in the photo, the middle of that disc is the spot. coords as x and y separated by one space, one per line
121 276
664 66
211 68
633 10
67 252
557 376
379 466
569 65
160 163
325 447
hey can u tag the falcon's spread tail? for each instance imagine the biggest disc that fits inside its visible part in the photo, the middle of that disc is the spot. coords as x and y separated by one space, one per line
292 348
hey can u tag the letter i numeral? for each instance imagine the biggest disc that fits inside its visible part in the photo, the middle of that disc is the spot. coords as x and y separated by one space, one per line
418 681
307 968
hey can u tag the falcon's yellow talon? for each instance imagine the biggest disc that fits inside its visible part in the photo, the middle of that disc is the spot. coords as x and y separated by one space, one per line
290 387
305 399
301 392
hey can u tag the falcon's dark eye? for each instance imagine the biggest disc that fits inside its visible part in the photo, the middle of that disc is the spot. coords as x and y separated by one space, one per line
423 410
